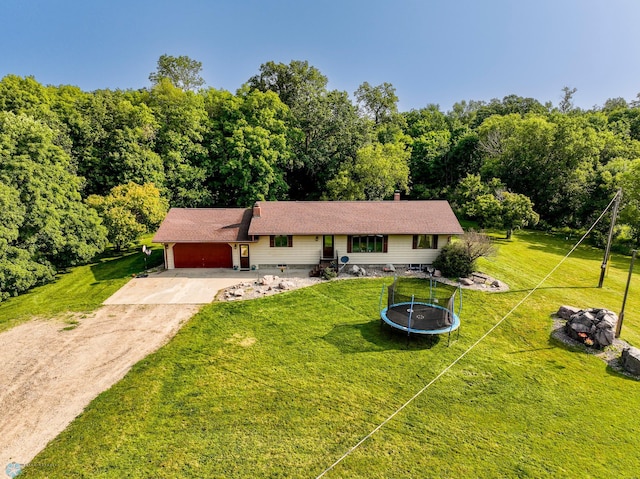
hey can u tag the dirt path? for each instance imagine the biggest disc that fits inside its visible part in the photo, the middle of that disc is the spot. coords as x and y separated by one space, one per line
48 375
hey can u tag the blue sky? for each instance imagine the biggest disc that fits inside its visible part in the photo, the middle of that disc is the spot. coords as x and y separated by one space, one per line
431 51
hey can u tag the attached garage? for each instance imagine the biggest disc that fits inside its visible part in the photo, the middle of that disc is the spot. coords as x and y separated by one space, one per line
204 237
202 255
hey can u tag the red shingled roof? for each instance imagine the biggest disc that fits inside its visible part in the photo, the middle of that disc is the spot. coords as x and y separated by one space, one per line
196 225
354 217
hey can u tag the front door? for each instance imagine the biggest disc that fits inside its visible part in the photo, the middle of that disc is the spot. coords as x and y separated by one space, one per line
244 256
327 247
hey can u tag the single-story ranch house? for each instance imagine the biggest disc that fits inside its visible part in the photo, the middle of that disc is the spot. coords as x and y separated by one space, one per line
305 233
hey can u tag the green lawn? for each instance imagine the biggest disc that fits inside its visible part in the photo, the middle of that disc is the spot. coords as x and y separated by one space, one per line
82 289
283 386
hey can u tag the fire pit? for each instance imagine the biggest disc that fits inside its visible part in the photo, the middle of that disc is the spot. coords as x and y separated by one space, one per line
594 327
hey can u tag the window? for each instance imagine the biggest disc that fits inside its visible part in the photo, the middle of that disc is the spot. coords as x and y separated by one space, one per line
425 241
281 241
367 244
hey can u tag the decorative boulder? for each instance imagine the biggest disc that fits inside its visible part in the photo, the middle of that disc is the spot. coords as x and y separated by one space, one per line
267 279
389 268
238 292
593 327
358 270
285 285
565 312
466 281
437 273
631 360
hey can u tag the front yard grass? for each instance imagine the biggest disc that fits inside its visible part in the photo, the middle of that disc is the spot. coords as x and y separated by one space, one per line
283 386
81 289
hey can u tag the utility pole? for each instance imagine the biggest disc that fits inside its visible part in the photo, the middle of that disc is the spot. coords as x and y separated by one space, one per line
614 215
626 292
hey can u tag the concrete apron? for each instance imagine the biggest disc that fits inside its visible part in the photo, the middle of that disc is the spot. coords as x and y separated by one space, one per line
189 286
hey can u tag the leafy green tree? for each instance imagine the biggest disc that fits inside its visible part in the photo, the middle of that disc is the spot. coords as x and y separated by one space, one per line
182 121
379 103
115 142
517 212
182 72
566 103
464 157
552 160
376 173
295 83
628 179
469 189
248 148
487 210
129 211
44 226
509 105
324 130
430 143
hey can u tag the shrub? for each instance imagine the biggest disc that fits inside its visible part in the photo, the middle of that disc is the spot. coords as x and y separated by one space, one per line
329 273
458 259
454 261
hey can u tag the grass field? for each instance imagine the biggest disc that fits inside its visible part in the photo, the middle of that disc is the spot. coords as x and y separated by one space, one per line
283 386
82 289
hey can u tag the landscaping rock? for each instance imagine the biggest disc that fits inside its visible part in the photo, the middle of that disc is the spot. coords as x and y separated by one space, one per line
358 270
631 360
437 274
496 284
389 268
593 327
466 281
565 312
267 279
285 285
238 293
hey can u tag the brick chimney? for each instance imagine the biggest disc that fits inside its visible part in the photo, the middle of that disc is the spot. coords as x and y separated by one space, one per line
396 196
256 210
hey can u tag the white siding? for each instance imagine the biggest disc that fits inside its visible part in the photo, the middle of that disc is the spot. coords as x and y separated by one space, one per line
307 251
399 251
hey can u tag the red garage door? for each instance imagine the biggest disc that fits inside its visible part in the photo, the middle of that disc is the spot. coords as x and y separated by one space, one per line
202 255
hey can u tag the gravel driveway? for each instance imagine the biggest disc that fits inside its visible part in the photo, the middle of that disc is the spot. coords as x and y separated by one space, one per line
48 375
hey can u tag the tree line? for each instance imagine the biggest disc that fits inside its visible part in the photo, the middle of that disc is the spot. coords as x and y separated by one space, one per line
81 169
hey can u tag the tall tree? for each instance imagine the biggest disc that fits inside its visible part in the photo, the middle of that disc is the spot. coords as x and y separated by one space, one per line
115 141
182 122
379 103
566 103
325 130
294 83
378 171
630 214
182 72
247 143
129 210
430 142
41 192
552 160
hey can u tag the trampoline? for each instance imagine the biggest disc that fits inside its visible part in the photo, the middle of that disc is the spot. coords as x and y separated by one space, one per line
423 315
